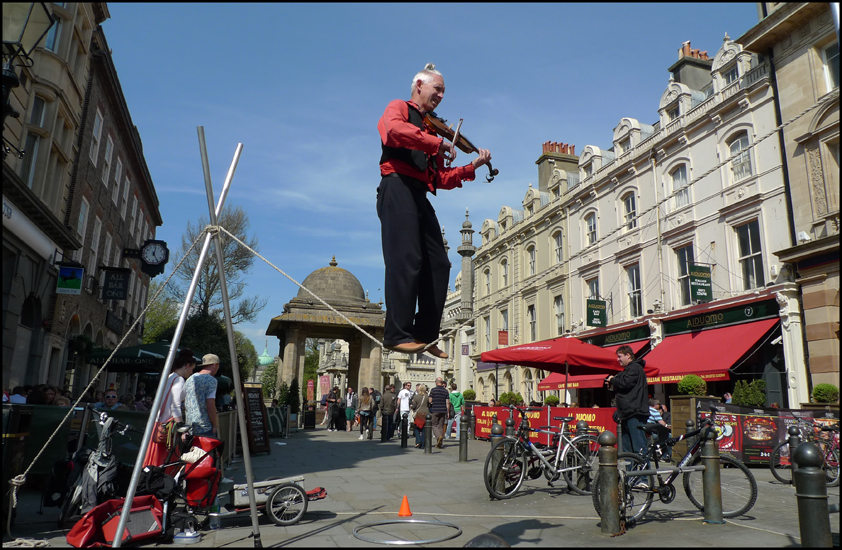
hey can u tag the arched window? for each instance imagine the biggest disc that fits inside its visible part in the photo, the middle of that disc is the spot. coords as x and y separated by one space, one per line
557 247
487 274
741 162
504 273
530 259
629 211
591 228
679 186
559 315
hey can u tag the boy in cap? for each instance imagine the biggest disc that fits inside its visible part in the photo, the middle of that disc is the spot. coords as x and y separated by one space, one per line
200 398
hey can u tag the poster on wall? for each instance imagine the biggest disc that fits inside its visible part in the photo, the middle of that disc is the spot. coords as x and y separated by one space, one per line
597 418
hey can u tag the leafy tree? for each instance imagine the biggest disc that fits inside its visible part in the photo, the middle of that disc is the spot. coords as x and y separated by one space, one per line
283 393
293 399
692 385
162 314
238 262
749 394
246 354
269 379
311 365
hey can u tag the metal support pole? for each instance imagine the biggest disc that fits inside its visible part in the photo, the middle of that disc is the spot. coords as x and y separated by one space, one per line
811 492
428 434
711 483
608 480
794 441
463 438
404 429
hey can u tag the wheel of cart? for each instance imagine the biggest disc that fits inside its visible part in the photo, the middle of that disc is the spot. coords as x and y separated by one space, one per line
287 504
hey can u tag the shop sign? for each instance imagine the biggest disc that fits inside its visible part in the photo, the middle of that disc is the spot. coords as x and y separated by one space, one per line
70 280
723 317
596 313
700 286
624 336
116 285
502 337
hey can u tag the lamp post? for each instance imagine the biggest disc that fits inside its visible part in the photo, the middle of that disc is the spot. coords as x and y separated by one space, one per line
24 26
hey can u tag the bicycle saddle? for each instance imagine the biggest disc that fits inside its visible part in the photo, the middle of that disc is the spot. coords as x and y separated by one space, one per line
653 427
564 418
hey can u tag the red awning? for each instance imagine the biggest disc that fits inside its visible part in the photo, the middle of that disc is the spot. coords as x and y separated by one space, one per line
555 381
707 353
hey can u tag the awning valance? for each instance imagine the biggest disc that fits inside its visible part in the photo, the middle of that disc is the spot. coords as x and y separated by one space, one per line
555 381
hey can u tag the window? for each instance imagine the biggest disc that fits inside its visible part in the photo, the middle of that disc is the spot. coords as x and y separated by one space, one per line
97 135
530 252
685 258
673 113
115 193
830 58
27 171
557 247
126 184
36 118
533 323
731 74
106 169
133 214
635 299
51 42
106 251
740 163
504 273
593 288
81 228
504 319
679 186
488 282
625 146
630 211
558 304
751 259
588 170
591 222
487 324
89 276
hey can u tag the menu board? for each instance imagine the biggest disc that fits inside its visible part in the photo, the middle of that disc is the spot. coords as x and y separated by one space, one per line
258 432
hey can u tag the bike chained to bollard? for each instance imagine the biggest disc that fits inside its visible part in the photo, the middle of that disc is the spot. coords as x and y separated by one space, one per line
614 488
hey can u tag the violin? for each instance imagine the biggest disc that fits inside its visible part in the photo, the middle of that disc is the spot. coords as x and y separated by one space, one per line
439 126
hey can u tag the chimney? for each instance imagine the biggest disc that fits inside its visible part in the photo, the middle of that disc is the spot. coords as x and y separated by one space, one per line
692 68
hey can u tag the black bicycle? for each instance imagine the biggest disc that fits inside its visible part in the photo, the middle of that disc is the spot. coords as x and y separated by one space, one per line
739 488
826 438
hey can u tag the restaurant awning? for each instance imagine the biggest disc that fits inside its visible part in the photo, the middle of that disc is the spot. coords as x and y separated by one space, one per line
136 359
555 381
706 353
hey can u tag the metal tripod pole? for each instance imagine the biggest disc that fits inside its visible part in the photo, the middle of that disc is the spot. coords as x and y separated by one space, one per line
241 416
159 393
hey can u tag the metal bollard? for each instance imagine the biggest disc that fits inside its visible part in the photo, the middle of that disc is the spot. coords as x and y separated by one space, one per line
494 419
609 481
383 431
811 492
463 438
582 427
473 425
510 427
428 434
497 457
794 441
711 483
404 429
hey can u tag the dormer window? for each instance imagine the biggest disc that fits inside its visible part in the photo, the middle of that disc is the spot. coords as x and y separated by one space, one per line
625 146
673 113
731 74
588 170
502 226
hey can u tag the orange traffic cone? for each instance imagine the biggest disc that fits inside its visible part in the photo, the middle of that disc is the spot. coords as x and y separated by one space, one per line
404 512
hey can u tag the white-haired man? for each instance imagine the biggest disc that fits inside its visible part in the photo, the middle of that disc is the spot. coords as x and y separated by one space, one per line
417 267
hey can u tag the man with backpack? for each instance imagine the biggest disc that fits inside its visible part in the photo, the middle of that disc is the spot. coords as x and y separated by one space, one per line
377 396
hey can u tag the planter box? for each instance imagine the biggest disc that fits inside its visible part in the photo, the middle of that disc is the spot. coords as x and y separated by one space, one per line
831 409
684 408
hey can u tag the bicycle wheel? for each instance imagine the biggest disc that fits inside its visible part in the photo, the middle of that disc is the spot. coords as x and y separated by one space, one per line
504 478
830 464
287 504
738 487
70 506
581 463
637 491
779 463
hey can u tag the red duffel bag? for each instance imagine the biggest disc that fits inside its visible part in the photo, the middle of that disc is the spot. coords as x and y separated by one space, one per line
98 527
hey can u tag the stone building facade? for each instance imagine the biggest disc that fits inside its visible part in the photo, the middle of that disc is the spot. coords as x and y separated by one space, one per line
112 206
801 44
36 192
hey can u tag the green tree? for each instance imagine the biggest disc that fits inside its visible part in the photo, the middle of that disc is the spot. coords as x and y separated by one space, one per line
238 262
293 399
269 379
246 354
749 394
207 334
283 393
162 314
311 366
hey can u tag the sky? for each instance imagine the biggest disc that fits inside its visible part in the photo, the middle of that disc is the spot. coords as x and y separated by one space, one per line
302 87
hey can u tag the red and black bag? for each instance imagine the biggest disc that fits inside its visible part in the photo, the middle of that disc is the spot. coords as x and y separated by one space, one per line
98 527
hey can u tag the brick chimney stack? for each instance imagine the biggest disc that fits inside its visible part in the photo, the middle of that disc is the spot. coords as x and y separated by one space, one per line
555 147
686 51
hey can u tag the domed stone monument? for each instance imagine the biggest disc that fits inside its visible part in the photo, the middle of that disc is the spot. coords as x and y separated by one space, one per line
306 317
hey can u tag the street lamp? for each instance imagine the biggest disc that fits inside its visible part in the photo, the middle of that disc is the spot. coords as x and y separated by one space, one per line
24 26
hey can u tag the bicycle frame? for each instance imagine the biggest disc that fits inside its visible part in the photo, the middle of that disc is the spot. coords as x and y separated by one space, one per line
527 446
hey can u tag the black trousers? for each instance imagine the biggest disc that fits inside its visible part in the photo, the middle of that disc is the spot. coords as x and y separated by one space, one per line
417 267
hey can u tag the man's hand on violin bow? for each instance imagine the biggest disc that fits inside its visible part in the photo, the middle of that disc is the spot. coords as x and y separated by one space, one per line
483 158
447 150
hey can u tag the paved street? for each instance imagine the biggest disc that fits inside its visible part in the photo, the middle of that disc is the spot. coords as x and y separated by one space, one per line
366 481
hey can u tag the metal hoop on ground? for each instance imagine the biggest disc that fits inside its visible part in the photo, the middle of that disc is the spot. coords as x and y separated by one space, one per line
404 521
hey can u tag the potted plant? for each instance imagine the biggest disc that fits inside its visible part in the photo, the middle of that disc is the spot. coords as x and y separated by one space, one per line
552 401
824 397
692 397
749 394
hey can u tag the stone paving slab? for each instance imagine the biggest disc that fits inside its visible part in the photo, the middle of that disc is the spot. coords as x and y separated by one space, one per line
366 482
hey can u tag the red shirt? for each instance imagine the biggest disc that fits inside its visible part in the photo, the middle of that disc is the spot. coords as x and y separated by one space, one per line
396 131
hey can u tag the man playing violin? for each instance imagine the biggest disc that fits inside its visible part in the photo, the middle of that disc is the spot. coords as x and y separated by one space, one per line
412 164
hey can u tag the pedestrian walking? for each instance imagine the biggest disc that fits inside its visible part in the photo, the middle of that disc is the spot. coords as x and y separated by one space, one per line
404 401
420 406
439 401
200 398
387 409
333 400
457 404
366 408
350 403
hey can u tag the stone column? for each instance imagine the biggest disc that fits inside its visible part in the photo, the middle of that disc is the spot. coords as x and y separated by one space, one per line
290 358
793 342
355 350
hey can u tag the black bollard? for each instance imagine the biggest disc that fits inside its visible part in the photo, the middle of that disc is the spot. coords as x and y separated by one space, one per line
473 425
383 430
608 479
510 426
581 428
711 482
463 438
404 429
428 434
794 441
811 492
497 457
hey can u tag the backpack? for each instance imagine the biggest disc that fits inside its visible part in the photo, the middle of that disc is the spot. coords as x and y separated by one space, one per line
324 400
